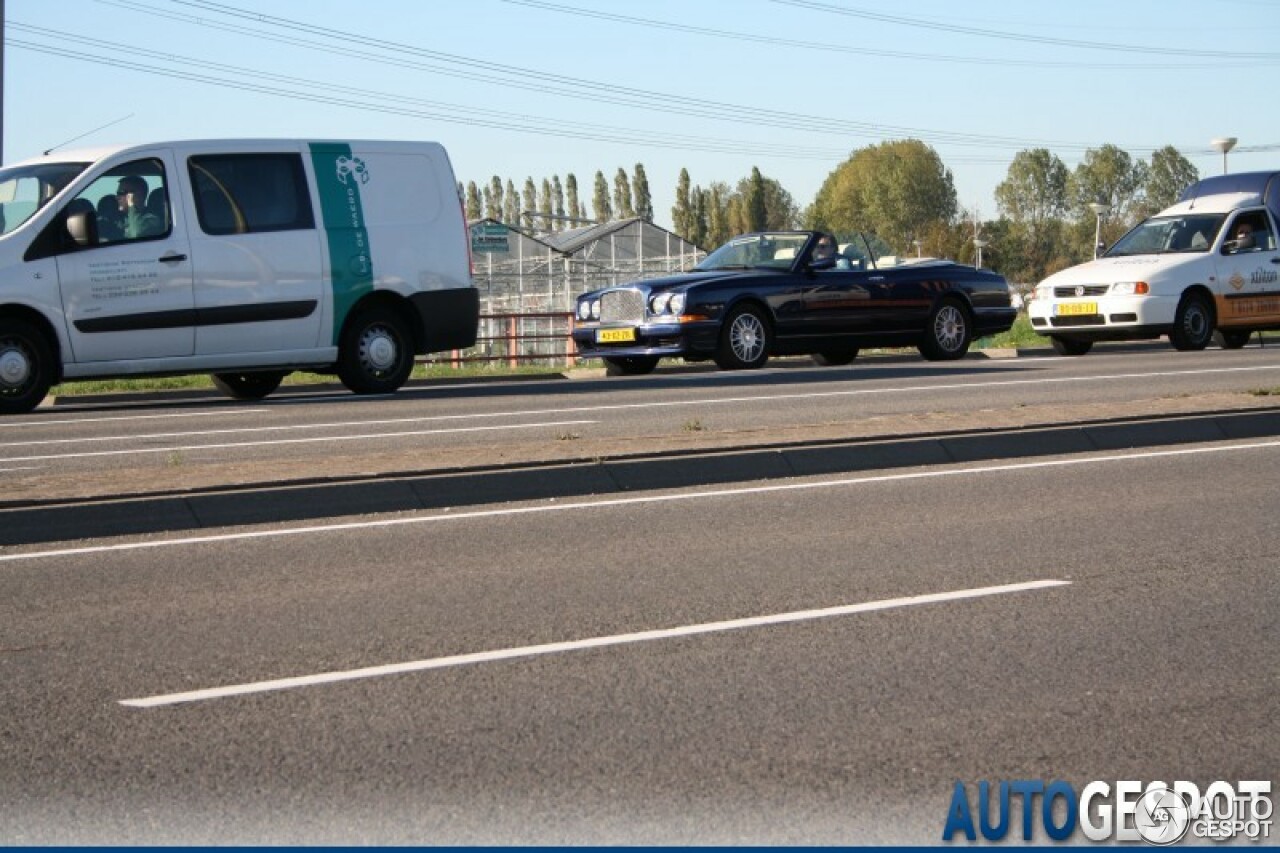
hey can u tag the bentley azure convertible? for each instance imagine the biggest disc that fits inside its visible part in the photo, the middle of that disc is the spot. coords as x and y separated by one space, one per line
785 293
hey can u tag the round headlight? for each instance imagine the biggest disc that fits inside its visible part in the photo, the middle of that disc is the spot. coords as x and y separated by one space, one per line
676 305
584 310
595 309
658 303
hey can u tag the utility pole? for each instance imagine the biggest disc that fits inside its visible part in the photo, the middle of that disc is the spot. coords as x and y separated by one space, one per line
1 82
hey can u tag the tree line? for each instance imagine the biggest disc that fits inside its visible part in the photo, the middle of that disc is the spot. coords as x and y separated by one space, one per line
557 206
899 190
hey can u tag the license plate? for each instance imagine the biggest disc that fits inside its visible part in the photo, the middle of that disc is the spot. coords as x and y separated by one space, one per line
615 336
1075 309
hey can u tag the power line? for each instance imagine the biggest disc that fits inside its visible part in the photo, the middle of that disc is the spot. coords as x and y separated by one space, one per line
1002 35
775 41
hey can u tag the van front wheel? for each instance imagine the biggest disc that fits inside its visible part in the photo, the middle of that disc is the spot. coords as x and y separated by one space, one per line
375 353
26 366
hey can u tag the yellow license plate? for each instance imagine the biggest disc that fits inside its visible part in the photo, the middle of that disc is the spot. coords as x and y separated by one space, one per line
615 336
1075 309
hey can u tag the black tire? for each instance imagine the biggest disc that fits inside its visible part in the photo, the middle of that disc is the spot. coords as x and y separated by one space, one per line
375 352
745 339
835 357
1192 324
948 333
1232 338
630 365
1070 346
26 366
248 386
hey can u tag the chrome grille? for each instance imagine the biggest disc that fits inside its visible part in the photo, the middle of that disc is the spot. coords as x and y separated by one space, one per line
1080 290
622 306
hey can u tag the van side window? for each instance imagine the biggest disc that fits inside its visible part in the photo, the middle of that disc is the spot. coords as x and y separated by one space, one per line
250 193
128 203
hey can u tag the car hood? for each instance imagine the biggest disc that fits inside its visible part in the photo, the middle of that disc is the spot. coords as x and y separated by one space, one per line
654 285
1128 268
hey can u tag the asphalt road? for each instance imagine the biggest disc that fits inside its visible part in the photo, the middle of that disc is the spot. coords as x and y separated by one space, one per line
87 448
1141 644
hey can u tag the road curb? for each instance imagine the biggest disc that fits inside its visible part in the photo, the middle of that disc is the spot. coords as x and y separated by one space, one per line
413 491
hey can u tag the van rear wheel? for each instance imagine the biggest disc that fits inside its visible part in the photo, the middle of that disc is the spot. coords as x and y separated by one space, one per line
375 352
248 386
26 366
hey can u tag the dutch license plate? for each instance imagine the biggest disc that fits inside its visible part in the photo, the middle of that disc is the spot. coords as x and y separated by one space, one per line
615 336
1075 309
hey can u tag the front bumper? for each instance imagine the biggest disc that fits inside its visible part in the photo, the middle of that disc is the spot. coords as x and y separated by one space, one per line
1103 317
667 340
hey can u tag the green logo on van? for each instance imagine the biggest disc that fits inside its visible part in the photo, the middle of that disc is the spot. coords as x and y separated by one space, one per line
339 176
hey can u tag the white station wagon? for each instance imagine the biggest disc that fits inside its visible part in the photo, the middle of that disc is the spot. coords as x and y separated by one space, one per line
1208 264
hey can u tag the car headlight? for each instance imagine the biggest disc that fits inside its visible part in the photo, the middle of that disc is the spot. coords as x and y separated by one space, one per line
584 309
676 305
1130 288
658 303
595 309
1042 291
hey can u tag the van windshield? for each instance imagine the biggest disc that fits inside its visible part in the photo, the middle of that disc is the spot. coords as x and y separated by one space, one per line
26 189
1165 234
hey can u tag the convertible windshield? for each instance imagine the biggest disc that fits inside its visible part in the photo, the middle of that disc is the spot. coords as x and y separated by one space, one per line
26 189
775 251
1189 233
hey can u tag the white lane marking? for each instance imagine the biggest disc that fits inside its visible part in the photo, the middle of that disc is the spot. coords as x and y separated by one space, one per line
311 440
22 468
618 407
576 506
104 419
580 645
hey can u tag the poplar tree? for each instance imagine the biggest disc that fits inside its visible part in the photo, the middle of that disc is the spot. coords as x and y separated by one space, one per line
530 198
511 205
571 187
493 205
600 199
545 207
557 201
622 195
755 210
682 210
473 201
644 200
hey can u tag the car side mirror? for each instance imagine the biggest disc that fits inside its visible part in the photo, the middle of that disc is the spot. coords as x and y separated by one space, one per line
82 226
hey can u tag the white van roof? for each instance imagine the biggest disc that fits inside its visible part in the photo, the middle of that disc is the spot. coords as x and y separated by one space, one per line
96 153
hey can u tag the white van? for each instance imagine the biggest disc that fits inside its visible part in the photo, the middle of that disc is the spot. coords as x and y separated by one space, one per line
1209 263
246 259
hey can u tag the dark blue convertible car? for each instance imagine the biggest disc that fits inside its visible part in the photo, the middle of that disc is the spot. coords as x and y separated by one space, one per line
778 293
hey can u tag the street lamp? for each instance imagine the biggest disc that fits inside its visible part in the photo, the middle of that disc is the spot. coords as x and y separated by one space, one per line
1223 144
916 243
979 243
1098 209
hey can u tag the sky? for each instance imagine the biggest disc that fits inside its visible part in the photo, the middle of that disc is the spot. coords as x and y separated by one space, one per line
536 88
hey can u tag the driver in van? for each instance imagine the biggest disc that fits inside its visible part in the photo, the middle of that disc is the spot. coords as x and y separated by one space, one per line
131 196
1244 236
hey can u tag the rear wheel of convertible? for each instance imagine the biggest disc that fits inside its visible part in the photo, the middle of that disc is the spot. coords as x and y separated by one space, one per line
375 353
835 357
26 366
248 386
1070 346
630 365
745 339
948 332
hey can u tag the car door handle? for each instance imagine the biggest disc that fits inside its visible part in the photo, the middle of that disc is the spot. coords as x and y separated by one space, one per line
172 258
1275 260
